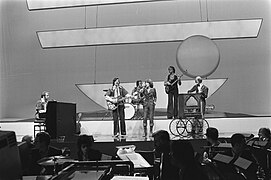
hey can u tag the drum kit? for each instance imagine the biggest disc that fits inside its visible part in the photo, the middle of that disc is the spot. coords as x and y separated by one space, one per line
132 105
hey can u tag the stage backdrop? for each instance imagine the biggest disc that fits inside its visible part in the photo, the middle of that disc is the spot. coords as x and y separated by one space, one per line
27 69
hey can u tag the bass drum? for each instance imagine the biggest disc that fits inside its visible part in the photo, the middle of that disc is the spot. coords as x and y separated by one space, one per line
129 111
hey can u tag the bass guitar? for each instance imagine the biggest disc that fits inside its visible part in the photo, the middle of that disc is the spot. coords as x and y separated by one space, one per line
167 87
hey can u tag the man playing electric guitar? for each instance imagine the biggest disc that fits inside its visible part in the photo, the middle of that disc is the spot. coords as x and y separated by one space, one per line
115 96
171 87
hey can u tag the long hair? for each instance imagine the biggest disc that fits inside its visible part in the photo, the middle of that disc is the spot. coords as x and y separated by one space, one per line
86 140
44 93
114 80
173 68
137 82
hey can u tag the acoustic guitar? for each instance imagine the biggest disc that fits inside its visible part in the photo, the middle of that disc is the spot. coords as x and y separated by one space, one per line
114 103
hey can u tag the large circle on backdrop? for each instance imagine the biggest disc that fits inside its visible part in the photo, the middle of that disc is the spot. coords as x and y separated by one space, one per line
198 56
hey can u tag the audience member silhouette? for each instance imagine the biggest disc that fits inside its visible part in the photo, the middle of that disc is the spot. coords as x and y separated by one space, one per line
25 149
212 142
182 154
240 149
85 151
29 141
42 149
164 169
265 137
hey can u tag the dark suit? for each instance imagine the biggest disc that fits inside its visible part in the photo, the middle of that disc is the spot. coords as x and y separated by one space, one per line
118 113
149 105
172 106
204 94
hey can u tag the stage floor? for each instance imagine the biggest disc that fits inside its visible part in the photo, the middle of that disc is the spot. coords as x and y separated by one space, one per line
102 129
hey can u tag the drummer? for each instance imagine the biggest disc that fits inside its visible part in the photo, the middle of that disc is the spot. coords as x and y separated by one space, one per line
137 95
41 150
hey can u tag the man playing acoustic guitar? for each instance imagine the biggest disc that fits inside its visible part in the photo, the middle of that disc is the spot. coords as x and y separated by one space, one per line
115 97
171 88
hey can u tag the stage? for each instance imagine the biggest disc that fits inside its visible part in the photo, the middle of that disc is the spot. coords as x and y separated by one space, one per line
101 128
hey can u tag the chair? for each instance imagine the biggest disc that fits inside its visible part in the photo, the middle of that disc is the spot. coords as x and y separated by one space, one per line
39 125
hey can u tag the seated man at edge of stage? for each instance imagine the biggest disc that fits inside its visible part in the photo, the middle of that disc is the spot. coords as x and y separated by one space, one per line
41 106
115 96
201 89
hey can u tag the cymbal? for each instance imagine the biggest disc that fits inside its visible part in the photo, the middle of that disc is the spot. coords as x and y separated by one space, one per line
53 157
50 161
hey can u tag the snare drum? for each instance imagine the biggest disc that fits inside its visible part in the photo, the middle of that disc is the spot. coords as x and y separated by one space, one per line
129 111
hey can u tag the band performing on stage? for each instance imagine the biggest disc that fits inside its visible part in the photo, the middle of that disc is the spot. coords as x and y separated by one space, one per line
140 103
127 106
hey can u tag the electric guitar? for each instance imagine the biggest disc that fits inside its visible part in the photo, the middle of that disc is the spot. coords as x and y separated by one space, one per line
114 103
167 87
